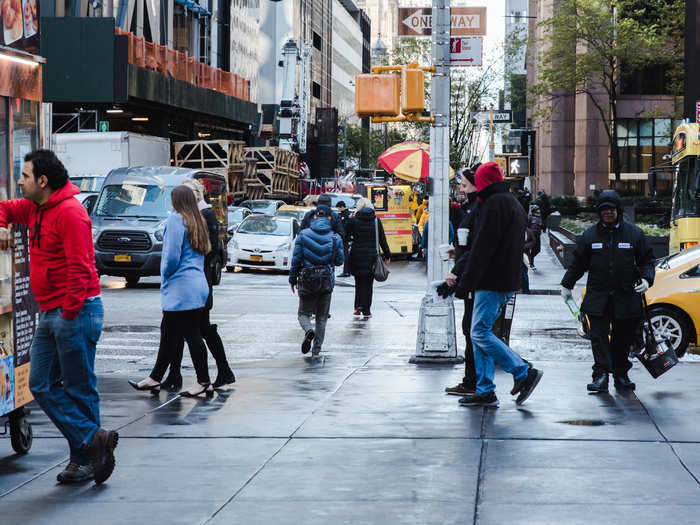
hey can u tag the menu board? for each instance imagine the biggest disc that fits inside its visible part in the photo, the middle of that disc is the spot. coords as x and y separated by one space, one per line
25 315
20 24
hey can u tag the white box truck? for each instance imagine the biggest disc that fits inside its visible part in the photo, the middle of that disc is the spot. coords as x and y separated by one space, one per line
90 156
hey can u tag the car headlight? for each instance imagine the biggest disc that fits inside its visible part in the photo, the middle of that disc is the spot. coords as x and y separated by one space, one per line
283 246
95 234
158 235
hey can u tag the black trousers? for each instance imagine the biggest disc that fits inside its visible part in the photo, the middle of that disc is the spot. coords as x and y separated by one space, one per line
363 292
610 341
469 380
174 328
211 336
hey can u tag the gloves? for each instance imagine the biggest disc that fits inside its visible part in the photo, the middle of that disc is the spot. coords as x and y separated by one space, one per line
565 293
445 290
642 287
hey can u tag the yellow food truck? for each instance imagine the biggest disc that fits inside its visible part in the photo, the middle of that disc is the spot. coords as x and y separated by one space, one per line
685 211
393 207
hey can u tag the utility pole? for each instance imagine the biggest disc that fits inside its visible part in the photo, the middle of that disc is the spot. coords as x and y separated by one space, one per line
436 341
492 143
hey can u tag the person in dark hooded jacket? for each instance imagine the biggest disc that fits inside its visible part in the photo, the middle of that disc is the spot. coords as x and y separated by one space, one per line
316 245
493 274
336 221
620 266
363 253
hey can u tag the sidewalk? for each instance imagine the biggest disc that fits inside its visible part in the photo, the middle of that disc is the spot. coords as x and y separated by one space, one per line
363 437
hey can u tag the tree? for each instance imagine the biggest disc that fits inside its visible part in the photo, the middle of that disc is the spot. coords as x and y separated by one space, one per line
365 146
587 43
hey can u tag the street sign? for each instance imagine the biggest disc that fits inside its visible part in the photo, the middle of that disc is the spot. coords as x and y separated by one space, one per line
418 21
104 125
501 116
466 51
697 111
518 167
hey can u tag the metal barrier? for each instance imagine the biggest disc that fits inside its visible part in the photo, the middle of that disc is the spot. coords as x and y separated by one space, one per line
179 65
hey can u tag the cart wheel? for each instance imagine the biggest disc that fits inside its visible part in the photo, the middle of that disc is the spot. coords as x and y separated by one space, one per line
21 434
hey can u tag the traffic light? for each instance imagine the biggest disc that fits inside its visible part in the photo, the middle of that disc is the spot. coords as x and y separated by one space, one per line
413 92
377 95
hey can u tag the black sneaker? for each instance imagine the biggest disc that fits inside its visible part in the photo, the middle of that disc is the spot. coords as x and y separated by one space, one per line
474 400
528 385
102 453
460 390
306 345
74 473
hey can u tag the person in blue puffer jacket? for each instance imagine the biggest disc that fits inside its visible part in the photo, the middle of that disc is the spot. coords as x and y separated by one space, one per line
316 246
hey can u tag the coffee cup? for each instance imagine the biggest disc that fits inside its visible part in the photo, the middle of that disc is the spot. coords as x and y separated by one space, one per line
462 234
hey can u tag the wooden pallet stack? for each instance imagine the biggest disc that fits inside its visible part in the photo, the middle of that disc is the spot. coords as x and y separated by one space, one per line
223 156
276 173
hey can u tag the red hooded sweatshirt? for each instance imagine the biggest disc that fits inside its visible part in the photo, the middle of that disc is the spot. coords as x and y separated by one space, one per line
62 258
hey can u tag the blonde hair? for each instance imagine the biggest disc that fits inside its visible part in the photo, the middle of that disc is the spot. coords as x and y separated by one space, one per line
363 203
196 186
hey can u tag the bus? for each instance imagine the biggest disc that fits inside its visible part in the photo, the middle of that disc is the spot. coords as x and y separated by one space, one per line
685 210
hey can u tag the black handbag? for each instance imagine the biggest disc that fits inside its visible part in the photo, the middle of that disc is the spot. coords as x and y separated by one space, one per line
657 357
381 270
316 280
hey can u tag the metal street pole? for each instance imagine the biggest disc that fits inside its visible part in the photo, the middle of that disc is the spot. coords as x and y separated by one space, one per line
492 144
436 341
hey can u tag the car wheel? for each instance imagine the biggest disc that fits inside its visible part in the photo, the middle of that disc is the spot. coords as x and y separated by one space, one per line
670 324
218 268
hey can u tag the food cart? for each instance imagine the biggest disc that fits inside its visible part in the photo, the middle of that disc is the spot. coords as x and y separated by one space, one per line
20 132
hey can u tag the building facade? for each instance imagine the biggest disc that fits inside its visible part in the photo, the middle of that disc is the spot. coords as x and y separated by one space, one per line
348 50
573 151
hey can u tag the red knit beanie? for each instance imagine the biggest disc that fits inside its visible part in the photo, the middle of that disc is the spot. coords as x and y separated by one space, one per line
486 175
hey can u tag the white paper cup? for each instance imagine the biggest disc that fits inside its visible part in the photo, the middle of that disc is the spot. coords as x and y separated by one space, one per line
462 234
444 250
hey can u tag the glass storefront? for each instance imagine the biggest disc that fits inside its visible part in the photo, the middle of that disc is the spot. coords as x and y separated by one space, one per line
643 143
25 135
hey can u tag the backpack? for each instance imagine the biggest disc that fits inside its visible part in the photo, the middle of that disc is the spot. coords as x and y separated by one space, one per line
317 280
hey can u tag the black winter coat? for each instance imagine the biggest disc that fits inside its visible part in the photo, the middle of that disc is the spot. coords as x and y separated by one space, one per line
210 258
363 250
615 259
336 222
497 249
470 212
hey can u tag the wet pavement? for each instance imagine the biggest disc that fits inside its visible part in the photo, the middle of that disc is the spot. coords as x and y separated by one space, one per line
361 436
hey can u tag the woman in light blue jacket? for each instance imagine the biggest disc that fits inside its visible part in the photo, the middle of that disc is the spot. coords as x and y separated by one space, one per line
184 292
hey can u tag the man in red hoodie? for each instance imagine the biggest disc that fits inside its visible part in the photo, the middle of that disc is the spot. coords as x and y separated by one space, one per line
492 273
64 281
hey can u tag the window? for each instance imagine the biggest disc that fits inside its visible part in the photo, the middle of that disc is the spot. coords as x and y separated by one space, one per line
643 143
317 41
316 90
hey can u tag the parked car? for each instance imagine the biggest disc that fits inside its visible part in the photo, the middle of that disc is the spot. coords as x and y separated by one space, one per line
674 299
236 215
264 206
263 241
130 214
297 212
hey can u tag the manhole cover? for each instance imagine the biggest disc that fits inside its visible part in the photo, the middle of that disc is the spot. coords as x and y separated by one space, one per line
584 422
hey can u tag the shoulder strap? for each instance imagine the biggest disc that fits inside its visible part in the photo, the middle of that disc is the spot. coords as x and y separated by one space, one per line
376 234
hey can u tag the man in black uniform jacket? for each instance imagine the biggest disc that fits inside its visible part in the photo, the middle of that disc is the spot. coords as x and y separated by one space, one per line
620 266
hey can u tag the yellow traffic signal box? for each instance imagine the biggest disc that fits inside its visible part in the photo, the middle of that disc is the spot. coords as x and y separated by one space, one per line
377 95
413 94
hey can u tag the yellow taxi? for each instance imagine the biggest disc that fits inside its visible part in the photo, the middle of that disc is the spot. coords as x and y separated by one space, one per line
296 212
674 299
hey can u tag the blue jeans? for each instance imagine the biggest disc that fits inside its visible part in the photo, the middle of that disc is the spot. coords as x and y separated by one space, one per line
488 348
62 373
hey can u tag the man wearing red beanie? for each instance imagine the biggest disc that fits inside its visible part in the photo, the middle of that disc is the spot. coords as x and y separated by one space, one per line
493 274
